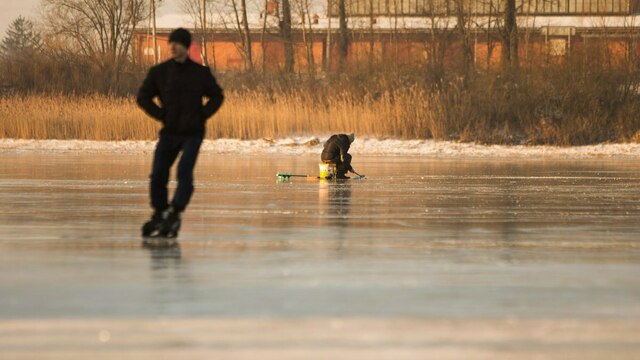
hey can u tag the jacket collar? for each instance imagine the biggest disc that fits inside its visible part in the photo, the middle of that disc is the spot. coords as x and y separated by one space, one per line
188 61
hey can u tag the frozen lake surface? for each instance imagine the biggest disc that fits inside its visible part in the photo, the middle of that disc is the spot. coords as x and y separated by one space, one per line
492 257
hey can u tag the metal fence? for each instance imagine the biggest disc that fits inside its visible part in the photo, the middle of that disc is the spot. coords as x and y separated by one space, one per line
484 7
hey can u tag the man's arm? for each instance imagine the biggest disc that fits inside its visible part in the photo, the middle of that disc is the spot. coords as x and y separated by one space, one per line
147 92
215 94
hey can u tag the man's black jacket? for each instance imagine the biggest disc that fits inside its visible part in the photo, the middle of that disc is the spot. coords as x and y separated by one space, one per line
180 88
336 147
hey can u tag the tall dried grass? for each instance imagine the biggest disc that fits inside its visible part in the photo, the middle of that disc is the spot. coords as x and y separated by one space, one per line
249 115
94 117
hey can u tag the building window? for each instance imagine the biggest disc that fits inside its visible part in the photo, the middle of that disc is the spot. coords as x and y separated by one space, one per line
557 47
149 51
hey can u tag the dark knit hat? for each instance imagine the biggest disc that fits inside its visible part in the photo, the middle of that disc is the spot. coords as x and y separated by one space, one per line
181 36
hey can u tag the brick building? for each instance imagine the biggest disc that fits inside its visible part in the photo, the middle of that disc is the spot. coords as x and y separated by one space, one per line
405 30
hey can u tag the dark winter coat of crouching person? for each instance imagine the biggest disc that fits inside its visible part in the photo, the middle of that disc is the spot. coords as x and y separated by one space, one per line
336 151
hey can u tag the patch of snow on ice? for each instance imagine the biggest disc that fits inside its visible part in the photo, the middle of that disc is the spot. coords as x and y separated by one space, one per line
313 146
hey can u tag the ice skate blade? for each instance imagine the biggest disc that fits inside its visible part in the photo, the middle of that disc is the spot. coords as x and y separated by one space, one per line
159 242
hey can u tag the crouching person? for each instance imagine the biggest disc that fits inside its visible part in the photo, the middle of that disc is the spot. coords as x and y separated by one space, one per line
336 151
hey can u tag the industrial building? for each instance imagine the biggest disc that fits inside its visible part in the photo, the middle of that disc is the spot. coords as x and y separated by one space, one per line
404 31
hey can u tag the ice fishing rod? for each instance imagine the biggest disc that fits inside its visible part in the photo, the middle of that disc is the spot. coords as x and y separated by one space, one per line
361 176
287 176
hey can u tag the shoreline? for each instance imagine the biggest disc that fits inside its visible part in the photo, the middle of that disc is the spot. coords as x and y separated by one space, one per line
362 146
325 337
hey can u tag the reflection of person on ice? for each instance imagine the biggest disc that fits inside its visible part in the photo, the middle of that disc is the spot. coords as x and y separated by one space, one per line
336 151
180 84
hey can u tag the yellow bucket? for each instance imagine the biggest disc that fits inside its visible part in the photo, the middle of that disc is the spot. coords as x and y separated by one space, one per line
327 171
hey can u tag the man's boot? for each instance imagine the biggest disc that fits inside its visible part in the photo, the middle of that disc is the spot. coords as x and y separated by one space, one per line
153 227
171 223
341 175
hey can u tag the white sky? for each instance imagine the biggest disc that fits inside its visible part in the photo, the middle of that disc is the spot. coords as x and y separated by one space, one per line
11 9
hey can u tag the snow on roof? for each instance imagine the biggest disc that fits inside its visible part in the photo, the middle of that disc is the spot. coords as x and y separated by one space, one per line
171 21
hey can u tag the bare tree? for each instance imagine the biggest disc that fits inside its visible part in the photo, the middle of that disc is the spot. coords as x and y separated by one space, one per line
305 20
215 22
372 21
203 17
396 15
154 32
247 36
329 29
463 22
270 17
510 35
101 30
526 9
285 31
343 34
487 22
203 22
439 34
630 24
490 40
193 9
242 27
265 13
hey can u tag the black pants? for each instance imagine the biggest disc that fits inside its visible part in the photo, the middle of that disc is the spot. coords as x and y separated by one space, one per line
167 150
342 167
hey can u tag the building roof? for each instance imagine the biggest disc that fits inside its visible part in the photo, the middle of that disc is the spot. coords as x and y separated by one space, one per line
483 7
407 23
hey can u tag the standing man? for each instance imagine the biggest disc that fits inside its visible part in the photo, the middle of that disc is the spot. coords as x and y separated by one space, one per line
336 151
180 85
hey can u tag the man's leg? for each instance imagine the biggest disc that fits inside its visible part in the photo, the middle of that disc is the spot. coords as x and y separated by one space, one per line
190 150
167 151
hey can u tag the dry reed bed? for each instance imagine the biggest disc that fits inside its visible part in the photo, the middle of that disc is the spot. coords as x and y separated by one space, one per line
246 116
541 111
